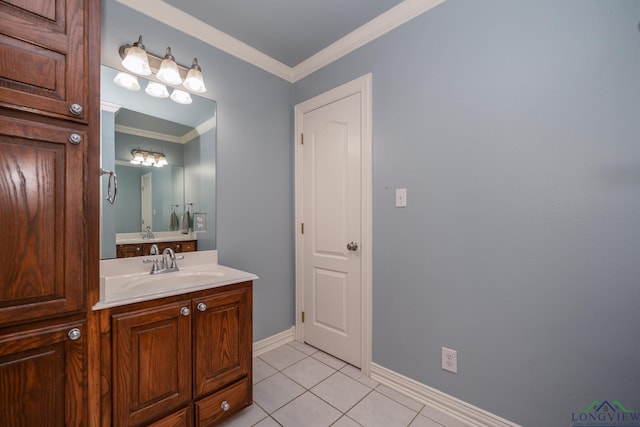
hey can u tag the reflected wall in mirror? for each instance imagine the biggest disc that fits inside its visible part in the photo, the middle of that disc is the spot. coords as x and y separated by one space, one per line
185 134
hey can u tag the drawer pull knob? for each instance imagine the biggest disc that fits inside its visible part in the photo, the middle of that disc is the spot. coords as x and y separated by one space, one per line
185 311
74 334
75 139
225 406
76 109
202 306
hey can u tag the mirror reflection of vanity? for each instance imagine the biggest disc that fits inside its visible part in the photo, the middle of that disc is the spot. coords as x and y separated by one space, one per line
157 197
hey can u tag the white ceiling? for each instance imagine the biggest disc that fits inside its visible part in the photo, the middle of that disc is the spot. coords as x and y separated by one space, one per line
289 38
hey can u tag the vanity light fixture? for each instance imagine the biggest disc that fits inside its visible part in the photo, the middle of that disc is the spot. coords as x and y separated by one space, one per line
135 59
194 80
168 71
127 81
148 158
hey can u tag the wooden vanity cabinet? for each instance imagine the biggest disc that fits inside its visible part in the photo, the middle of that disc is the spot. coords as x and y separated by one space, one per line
180 354
139 249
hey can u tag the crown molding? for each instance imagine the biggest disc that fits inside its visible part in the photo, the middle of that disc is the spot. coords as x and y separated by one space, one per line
109 106
148 134
393 18
187 137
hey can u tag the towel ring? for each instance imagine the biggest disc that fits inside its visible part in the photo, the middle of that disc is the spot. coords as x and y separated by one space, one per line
112 177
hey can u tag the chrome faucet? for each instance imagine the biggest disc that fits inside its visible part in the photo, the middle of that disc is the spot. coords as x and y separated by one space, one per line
148 234
172 257
168 261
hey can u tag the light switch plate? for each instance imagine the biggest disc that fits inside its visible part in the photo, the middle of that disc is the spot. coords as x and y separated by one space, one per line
401 197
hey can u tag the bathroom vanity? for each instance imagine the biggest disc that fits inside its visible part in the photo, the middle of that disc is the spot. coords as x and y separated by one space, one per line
132 244
175 347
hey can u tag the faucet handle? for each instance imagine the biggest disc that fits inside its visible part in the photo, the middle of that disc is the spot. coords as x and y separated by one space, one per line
154 268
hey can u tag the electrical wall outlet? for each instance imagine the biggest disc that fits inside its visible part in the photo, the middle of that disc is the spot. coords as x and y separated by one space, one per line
449 360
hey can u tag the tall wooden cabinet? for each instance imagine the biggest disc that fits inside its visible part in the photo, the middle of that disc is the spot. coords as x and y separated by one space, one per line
49 154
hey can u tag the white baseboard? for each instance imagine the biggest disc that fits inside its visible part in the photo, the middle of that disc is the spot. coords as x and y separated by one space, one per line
269 343
450 406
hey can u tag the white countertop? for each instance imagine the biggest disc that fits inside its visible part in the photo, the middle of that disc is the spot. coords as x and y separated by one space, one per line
160 236
127 280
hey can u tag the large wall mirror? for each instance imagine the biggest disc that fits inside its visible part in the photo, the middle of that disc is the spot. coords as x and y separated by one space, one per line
156 197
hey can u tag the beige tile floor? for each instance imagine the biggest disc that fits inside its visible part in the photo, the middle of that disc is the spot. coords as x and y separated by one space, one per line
295 385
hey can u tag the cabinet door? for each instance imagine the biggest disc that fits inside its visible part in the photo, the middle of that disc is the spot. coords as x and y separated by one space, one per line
222 339
43 47
151 362
43 373
41 220
127 251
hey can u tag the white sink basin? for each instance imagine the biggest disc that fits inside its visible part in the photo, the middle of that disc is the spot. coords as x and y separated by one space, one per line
162 280
127 280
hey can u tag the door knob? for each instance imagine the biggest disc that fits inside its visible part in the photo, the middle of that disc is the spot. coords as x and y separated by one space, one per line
352 246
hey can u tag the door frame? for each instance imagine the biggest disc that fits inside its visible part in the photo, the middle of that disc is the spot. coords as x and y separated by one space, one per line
363 86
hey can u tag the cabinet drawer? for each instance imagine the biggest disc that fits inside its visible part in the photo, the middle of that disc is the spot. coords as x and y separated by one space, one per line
188 246
211 409
179 418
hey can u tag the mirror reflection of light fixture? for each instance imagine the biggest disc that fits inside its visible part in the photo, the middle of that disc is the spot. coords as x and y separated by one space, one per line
127 81
168 71
148 158
136 59
157 90
195 80
181 97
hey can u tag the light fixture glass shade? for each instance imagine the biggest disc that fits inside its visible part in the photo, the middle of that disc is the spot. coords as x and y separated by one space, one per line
195 81
181 97
127 81
157 90
136 59
137 157
168 71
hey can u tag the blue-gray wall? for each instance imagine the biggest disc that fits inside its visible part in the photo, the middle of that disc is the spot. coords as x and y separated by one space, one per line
254 168
200 184
515 127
